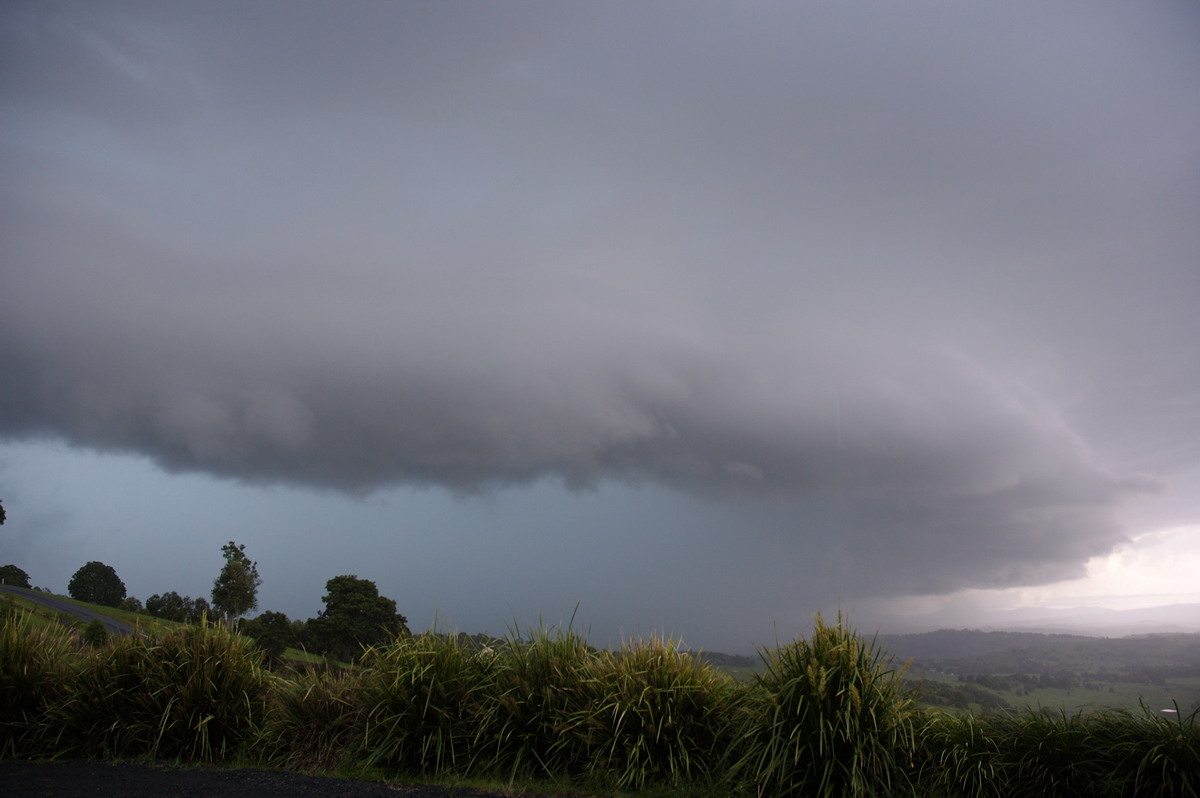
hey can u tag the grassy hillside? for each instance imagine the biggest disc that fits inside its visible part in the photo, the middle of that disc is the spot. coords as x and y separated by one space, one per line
44 615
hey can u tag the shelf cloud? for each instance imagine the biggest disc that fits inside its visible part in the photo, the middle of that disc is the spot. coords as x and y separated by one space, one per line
913 287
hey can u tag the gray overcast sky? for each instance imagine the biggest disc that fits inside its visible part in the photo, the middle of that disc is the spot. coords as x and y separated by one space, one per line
701 316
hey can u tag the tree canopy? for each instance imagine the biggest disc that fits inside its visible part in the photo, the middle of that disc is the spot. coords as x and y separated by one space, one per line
97 583
171 606
273 632
355 616
235 591
12 575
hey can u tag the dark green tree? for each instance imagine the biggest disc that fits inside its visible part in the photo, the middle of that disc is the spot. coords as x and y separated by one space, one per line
132 604
12 575
2 515
199 610
273 632
97 583
355 615
169 606
235 591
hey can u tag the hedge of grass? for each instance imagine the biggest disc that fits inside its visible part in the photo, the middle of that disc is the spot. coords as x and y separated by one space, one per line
827 716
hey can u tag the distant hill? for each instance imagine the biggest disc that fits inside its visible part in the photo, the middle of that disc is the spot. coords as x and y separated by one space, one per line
970 650
969 643
990 670
1098 621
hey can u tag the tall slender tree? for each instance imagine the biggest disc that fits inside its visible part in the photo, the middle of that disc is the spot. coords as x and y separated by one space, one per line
235 591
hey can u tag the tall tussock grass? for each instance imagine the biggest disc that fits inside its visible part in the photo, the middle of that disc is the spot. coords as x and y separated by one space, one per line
1107 753
656 716
196 694
826 716
534 718
314 721
423 697
545 707
33 676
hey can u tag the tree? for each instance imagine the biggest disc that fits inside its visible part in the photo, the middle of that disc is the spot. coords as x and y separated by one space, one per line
355 615
12 575
273 632
97 583
199 610
169 606
235 591
2 515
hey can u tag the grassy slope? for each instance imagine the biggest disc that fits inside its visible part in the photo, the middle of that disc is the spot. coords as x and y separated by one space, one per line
43 616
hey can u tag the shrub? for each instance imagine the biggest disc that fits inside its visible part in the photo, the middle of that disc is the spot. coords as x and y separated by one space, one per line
95 633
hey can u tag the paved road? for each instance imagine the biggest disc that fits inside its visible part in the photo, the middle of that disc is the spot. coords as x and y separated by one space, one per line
92 779
60 605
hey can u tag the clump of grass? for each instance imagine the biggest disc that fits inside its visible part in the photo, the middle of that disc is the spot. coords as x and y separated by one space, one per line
828 717
1162 755
196 694
958 756
33 665
532 722
656 716
422 697
1054 754
1106 752
314 720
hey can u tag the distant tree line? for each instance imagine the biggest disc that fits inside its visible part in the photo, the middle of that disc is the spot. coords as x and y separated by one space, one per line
355 615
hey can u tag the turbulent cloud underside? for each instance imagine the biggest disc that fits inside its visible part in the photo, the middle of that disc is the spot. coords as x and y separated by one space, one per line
872 269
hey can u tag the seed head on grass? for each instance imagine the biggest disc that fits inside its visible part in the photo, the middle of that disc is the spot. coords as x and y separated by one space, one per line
656 716
828 717
538 697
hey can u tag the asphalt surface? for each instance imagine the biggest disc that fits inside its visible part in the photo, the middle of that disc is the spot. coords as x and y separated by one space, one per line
89 779
61 605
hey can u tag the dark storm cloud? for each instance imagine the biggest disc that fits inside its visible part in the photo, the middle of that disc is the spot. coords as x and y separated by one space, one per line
889 269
